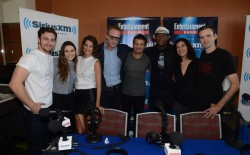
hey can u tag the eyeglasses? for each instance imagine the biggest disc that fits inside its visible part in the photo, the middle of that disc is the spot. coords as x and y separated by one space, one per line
114 38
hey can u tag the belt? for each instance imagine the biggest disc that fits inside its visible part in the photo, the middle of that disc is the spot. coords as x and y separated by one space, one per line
110 88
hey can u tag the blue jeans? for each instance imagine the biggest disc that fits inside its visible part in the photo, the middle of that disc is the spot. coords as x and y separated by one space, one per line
37 132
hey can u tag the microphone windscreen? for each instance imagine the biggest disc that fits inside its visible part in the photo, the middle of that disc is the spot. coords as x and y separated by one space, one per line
177 138
54 126
44 112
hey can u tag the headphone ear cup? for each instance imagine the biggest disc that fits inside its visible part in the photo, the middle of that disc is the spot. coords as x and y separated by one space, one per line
152 137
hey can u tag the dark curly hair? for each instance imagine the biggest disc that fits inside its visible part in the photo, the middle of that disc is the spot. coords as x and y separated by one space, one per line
190 52
95 45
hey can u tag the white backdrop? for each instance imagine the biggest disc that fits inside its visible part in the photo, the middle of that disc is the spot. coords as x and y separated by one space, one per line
244 96
31 21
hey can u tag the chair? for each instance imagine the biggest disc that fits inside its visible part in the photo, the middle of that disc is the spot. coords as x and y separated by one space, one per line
114 123
152 121
194 125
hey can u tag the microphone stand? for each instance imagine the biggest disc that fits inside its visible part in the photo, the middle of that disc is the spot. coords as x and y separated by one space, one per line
164 124
166 137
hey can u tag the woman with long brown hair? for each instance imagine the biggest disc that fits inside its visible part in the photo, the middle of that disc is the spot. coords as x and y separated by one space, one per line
64 77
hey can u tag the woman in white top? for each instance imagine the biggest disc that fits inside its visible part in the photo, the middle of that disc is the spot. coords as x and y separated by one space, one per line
88 81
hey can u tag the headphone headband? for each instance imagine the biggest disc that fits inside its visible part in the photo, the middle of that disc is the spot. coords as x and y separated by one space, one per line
117 150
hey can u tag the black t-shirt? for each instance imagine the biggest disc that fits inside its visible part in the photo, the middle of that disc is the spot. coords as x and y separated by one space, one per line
213 68
162 66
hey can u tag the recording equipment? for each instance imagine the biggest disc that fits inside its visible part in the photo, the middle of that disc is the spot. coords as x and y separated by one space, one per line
174 138
236 142
170 151
46 112
93 119
162 138
58 126
117 150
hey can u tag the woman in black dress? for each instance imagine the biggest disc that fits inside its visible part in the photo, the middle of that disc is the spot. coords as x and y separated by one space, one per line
185 76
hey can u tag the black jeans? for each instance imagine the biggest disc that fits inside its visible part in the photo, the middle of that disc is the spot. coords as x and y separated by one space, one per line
137 102
164 95
111 97
38 134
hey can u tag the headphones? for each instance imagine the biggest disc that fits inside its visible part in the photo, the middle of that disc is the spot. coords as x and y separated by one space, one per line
93 117
154 138
117 150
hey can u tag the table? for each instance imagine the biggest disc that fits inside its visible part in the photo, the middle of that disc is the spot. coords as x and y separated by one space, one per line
138 146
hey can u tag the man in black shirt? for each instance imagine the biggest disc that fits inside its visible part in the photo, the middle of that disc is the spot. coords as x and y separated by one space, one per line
162 57
215 65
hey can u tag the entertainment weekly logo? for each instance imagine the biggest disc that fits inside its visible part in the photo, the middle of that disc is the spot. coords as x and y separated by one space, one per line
59 28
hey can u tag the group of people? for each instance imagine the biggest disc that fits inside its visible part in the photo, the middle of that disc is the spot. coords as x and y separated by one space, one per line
112 75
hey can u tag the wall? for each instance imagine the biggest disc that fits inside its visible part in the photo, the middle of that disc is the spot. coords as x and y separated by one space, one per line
10 9
92 15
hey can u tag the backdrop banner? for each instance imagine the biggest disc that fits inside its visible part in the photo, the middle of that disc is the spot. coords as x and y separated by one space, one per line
31 21
131 26
180 27
187 27
244 96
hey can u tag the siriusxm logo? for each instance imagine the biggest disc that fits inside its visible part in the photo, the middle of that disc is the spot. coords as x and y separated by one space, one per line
248 52
52 53
36 24
246 76
28 50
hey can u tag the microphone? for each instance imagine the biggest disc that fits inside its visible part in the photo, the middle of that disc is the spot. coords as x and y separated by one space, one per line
46 112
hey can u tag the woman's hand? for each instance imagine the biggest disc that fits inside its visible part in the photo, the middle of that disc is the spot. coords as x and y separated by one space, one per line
101 109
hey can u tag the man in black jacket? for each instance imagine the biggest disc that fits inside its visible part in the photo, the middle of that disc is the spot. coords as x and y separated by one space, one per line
162 57
112 56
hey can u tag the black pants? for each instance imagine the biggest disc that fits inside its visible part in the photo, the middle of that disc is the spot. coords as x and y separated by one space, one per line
37 132
164 95
63 101
111 97
135 102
